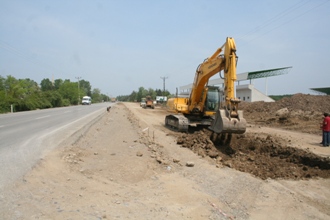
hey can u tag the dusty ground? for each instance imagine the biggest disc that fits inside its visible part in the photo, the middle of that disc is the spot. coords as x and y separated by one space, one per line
129 166
300 112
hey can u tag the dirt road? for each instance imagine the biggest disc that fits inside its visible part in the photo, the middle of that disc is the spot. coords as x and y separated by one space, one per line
129 166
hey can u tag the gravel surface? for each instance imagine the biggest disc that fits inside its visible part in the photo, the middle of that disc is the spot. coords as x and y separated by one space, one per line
129 166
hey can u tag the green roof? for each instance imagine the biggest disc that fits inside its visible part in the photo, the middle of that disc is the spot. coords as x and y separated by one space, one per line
325 90
267 73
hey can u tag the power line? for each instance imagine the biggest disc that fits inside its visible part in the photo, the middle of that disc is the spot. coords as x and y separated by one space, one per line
273 19
15 51
27 57
284 13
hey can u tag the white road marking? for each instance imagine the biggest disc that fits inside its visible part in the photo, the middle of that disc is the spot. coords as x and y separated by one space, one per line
46 116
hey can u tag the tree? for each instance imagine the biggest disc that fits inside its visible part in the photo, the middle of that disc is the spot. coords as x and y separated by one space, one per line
159 92
4 106
26 94
96 95
54 98
142 93
122 98
58 83
152 93
105 97
23 94
69 92
162 93
85 87
132 97
46 85
2 83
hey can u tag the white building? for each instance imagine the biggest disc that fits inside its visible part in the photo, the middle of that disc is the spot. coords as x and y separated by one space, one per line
248 93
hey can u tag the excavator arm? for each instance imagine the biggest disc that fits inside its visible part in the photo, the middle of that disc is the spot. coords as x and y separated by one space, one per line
204 72
227 120
230 119
212 65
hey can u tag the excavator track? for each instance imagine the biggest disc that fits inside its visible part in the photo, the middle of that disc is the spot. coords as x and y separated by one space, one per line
177 122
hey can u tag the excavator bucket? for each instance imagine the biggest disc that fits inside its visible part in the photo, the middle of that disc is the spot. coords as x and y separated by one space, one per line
223 123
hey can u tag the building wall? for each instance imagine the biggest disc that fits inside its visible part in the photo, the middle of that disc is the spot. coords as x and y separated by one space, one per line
244 93
248 93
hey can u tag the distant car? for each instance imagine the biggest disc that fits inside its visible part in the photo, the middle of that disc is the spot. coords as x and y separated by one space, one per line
86 100
142 104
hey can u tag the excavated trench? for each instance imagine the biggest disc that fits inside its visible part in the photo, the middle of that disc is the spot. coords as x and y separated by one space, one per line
264 156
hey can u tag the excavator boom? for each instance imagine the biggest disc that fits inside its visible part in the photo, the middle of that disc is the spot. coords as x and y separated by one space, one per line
202 106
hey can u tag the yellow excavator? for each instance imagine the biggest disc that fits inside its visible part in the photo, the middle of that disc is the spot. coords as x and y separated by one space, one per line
202 107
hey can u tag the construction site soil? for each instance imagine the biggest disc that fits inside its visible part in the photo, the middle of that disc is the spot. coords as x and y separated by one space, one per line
266 155
299 112
128 165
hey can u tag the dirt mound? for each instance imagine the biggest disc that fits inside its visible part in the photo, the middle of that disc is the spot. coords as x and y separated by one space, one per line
267 156
264 156
300 112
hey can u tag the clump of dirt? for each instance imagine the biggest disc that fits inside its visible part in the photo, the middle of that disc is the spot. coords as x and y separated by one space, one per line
268 156
300 112
264 156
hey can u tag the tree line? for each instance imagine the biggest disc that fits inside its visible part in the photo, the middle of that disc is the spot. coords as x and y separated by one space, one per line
26 94
136 96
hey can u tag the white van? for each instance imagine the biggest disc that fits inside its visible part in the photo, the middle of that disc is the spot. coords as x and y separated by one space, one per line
86 100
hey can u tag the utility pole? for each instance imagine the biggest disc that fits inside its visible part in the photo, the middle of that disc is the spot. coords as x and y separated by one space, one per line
164 78
78 78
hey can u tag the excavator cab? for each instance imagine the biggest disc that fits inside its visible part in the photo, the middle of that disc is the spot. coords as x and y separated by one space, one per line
212 101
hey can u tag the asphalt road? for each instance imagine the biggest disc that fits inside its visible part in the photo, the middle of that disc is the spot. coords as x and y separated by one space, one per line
25 137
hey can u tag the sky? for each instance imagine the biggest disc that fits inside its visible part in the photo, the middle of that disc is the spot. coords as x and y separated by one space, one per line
121 45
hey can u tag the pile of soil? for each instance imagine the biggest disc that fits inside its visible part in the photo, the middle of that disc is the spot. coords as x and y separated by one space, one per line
267 156
300 112
264 156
